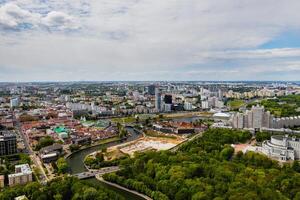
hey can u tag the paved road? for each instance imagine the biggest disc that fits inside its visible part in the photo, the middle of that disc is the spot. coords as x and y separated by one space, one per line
92 173
43 177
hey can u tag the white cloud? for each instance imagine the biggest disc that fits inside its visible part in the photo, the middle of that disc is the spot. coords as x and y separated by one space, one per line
147 37
252 54
60 20
12 15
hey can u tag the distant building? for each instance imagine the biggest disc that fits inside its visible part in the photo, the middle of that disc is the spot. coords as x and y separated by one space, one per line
258 118
167 107
168 99
282 147
14 102
255 118
22 175
204 105
82 141
157 99
8 143
151 89
50 153
188 106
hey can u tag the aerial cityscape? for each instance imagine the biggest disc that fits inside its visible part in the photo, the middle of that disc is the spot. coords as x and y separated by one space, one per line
149 100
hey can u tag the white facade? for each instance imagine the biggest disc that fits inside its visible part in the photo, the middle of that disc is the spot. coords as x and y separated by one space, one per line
22 176
14 102
282 148
204 105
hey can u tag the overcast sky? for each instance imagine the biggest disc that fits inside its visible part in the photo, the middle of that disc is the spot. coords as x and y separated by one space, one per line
59 40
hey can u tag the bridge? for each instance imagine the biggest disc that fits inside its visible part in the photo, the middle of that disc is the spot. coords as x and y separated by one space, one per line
93 173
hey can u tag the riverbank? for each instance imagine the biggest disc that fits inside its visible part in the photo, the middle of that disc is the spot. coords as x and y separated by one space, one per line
101 142
99 178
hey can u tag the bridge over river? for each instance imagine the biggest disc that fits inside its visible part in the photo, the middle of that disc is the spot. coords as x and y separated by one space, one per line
93 173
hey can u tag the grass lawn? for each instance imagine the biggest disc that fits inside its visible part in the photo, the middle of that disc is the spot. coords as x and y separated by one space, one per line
236 104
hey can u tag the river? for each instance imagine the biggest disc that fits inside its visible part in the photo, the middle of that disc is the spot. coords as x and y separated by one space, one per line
75 161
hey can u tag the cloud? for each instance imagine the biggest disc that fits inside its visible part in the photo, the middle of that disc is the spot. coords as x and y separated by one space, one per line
140 39
59 20
12 16
253 54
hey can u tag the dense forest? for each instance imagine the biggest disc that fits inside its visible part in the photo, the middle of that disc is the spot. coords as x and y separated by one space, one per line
60 189
207 168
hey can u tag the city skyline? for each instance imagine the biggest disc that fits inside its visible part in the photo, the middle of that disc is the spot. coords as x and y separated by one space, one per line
149 41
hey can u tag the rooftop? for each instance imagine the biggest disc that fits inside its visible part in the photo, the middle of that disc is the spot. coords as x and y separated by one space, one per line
23 169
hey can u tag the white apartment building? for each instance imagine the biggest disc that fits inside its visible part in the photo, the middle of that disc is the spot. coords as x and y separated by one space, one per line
22 175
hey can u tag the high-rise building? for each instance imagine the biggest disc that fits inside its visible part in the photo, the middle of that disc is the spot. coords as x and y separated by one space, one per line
151 89
157 99
14 102
168 99
255 118
8 143
188 106
204 105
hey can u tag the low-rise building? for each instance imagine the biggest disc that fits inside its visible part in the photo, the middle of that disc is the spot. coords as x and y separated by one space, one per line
50 153
282 147
22 175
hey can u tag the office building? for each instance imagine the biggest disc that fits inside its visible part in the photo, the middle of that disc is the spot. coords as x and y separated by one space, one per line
8 143
14 102
188 106
204 105
151 89
22 175
157 99
168 99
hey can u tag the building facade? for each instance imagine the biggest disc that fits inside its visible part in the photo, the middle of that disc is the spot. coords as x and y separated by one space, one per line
8 143
157 99
258 118
282 147
22 175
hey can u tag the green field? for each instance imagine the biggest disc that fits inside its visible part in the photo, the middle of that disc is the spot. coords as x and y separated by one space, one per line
236 104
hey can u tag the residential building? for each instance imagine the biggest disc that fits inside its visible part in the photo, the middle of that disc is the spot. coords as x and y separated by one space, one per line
22 175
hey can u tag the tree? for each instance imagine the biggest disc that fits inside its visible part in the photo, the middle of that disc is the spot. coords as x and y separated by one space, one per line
227 152
90 194
62 165
44 142
296 166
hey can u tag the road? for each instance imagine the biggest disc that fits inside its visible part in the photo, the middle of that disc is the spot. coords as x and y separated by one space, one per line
37 162
92 173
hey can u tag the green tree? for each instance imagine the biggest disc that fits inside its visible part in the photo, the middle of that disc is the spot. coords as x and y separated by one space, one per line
62 165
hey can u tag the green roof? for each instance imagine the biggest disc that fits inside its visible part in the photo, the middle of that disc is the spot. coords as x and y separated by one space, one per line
60 129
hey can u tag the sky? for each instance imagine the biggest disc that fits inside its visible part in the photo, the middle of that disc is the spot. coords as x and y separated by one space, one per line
136 40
